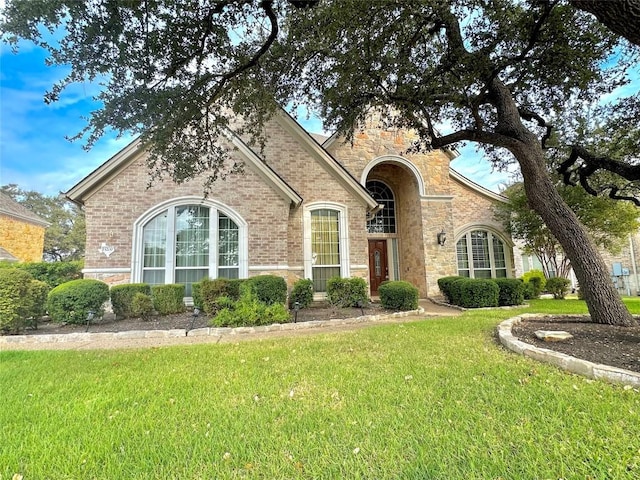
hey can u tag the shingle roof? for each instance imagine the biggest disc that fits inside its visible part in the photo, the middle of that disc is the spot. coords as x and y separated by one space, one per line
8 206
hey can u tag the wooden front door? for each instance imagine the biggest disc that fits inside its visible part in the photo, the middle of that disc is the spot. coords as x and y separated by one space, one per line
378 266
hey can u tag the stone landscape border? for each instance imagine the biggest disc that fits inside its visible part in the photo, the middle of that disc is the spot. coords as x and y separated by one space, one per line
198 332
566 362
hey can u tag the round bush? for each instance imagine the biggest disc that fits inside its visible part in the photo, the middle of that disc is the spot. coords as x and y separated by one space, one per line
15 301
347 292
302 292
398 295
269 289
477 293
511 291
122 298
141 305
558 286
455 290
72 301
168 299
444 284
537 279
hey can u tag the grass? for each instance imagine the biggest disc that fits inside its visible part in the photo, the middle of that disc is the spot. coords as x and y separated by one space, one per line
431 399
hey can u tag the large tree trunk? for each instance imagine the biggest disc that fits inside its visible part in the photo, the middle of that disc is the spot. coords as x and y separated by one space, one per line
620 16
603 300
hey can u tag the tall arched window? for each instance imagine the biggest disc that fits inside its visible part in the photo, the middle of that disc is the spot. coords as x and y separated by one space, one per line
385 220
481 254
184 243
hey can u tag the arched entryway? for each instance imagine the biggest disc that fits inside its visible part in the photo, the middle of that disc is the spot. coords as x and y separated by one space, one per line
394 234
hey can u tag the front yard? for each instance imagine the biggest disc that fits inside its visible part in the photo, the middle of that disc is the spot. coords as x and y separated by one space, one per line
431 399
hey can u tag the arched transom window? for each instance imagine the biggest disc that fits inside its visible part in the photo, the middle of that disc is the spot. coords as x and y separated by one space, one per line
385 220
188 242
481 254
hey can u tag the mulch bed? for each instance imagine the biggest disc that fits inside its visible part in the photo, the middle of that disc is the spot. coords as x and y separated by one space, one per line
187 321
605 344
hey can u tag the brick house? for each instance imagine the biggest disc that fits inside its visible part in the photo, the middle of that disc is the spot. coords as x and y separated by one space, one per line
302 209
21 232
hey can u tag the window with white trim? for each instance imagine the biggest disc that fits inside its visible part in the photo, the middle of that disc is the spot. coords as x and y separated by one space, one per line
326 243
481 254
385 220
187 242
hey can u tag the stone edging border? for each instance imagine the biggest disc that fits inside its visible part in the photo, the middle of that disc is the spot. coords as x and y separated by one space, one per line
198 332
561 360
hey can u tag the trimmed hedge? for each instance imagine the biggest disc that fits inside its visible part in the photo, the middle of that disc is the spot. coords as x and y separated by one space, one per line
38 293
52 273
558 286
15 304
537 280
398 295
269 289
122 298
511 291
168 299
347 292
302 292
142 305
478 292
72 301
445 285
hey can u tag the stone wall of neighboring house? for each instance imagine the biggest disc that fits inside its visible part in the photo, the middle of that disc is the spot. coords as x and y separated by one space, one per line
23 240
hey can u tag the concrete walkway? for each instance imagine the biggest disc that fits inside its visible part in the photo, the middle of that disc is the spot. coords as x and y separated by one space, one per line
160 338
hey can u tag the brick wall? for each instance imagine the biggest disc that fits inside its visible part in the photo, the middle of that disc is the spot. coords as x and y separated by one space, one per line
23 240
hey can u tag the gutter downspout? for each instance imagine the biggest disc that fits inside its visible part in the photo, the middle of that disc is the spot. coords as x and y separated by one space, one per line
633 263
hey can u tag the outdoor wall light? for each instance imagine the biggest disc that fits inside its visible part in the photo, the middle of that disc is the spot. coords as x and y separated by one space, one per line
442 238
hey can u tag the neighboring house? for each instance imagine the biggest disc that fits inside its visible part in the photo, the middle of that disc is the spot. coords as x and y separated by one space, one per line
301 210
21 232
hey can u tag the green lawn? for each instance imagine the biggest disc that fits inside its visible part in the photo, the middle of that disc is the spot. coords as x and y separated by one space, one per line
431 399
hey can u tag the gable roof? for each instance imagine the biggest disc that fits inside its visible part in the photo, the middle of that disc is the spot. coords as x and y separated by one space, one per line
128 154
478 188
334 167
11 208
6 256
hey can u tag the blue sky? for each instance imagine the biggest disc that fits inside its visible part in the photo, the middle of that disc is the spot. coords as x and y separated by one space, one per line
35 154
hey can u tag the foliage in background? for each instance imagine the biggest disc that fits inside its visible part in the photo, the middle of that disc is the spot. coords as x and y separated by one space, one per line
64 239
168 299
14 299
347 292
558 286
122 298
398 295
608 222
52 273
72 301
302 293
537 280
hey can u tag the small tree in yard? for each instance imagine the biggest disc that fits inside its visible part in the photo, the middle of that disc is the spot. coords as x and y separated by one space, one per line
498 73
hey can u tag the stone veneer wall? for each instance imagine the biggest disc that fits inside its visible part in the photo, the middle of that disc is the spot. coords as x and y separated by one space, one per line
23 240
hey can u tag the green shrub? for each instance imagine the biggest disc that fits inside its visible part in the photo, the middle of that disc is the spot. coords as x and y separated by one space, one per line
444 284
269 289
38 293
347 292
537 279
142 305
52 273
209 291
122 298
248 311
455 290
478 292
302 292
511 291
529 290
398 295
15 302
558 286
195 295
72 301
168 299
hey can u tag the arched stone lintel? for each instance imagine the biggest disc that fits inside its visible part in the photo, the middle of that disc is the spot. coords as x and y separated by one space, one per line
398 160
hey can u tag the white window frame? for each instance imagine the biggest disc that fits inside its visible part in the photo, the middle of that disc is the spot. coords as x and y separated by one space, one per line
170 206
507 246
343 236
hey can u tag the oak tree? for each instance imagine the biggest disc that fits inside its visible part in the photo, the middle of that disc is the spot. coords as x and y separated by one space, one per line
494 72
